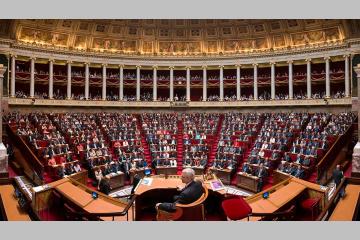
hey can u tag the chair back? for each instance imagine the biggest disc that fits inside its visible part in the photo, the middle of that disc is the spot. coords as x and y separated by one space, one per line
236 208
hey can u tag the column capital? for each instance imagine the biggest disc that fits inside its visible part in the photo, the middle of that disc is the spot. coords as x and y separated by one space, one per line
87 63
121 65
155 67
238 65
347 55
32 58
138 66
13 55
188 67
69 62
272 63
104 64
308 60
204 66
327 58
255 64
51 60
221 66
290 61
171 67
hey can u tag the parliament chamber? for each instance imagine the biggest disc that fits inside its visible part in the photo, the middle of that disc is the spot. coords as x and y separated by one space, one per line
103 120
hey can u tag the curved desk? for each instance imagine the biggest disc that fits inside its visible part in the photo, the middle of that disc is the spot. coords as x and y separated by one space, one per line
160 190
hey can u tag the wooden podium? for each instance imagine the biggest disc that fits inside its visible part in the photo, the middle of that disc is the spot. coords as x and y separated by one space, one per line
247 181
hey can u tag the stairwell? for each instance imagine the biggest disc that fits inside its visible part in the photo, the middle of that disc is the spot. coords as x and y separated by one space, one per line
143 140
215 141
179 147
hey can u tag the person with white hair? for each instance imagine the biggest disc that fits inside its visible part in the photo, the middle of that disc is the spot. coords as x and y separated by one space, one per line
190 193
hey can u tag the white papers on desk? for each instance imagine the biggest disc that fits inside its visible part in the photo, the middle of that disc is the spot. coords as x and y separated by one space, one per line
147 181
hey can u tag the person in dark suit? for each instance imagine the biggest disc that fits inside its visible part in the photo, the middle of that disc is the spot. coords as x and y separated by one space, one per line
190 193
337 175
261 173
104 186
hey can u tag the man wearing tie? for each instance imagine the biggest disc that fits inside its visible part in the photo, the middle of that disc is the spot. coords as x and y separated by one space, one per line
260 173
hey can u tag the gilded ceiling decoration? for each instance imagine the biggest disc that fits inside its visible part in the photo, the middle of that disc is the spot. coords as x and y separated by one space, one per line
179 36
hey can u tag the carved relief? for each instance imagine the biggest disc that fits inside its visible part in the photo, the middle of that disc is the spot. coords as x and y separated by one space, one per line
315 36
279 41
212 46
332 34
179 47
45 37
148 47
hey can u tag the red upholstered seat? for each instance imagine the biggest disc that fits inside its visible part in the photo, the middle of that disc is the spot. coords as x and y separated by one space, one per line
309 203
236 208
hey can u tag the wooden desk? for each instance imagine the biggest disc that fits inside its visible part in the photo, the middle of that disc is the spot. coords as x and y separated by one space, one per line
279 176
116 180
11 206
282 196
101 206
345 209
73 193
246 181
166 170
223 174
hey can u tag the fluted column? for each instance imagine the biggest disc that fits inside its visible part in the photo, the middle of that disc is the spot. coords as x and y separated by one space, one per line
137 83
347 76
356 153
51 78
272 81
121 87
204 83
327 76
103 81
291 84
69 80
221 83
171 83
87 80
154 83
255 82
238 90
188 84
32 77
2 147
308 78
13 70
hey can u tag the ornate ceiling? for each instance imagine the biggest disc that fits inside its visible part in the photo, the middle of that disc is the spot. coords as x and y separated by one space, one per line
178 36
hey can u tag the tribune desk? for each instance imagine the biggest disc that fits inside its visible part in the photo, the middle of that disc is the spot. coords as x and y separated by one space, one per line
166 170
161 189
247 181
223 174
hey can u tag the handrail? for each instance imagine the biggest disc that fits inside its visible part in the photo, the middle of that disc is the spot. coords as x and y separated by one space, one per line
106 214
324 162
35 162
325 214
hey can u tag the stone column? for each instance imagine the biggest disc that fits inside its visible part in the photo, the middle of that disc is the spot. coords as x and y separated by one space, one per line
356 154
188 98
347 76
3 153
32 77
103 82
51 78
238 90
204 83
221 83
327 76
137 83
171 83
255 82
68 80
121 88
291 82
87 81
13 70
272 81
308 78
154 83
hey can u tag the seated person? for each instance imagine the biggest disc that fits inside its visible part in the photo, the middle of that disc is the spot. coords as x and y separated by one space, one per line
299 159
299 172
61 171
173 163
287 157
77 167
307 161
69 169
98 176
246 168
190 193
283 166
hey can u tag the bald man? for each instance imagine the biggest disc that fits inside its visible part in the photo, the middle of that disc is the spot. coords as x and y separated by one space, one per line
190 193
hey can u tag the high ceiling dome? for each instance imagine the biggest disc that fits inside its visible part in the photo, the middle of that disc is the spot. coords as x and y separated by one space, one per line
178 36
